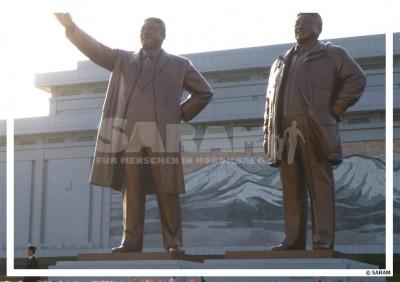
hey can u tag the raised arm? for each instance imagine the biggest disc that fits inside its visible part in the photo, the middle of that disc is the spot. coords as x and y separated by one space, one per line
97 52
200 93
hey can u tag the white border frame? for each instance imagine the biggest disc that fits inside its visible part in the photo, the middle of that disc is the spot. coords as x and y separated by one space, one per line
11 271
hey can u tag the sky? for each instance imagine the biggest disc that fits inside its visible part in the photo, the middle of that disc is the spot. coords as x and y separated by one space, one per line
32 40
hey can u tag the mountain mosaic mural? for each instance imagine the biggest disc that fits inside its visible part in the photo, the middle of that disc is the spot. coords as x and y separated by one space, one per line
239 204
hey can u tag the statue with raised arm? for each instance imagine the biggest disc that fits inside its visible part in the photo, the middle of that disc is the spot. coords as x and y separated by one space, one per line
138 143
309 89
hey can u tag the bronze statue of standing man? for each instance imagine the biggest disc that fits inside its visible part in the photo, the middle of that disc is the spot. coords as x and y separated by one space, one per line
138 148
312 85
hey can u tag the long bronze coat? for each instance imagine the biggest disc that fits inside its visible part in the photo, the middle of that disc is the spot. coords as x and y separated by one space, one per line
173 74
331 81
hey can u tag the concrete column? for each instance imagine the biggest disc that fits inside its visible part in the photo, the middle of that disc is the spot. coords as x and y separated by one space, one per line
37 193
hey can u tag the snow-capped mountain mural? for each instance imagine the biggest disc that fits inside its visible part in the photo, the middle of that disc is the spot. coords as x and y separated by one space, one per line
239 203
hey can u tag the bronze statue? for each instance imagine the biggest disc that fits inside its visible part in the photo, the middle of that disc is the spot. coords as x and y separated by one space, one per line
143 95
310 87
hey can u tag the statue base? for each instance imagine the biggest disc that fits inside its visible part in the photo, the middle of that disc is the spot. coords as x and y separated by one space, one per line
146 256
317 254
230 260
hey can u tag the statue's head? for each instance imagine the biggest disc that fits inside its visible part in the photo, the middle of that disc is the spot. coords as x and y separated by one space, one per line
152 33
308 27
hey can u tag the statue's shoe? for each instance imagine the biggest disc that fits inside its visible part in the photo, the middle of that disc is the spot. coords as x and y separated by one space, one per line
287 247
322 247
176 250
125 249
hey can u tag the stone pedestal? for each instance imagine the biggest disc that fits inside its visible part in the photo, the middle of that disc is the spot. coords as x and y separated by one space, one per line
146 256
317 254
231 260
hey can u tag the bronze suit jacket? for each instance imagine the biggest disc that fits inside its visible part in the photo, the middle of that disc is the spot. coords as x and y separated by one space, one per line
173 74
331 81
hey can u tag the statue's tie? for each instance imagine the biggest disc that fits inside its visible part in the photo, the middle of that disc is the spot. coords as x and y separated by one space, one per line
147 71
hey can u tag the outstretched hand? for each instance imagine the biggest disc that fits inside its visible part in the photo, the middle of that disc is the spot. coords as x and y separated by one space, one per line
65 19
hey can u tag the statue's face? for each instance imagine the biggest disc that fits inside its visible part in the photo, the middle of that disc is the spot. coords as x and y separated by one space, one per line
306 29
151 35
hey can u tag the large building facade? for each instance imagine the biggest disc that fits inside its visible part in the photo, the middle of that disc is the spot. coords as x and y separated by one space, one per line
233 199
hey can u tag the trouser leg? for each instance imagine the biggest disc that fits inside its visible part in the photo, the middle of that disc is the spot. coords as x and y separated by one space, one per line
322 197
319 178
170 217
168 205
133 206
294 202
